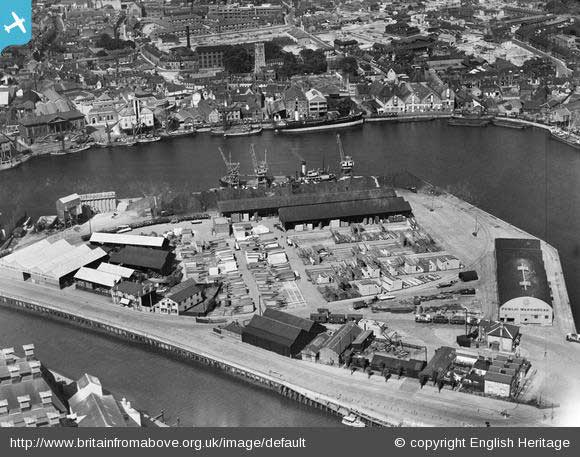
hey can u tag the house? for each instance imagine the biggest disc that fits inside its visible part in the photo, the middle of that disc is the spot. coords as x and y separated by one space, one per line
499 336
185 297
390 284
311 352
317 105
135 116
140 296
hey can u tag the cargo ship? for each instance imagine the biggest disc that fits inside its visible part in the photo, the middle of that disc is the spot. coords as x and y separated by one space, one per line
315 125
242 130
506 122
469 121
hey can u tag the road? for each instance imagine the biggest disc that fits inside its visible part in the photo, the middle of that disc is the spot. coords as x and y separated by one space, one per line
396 401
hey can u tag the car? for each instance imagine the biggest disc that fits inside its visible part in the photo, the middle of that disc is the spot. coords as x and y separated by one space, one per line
573 337
440 319
423 318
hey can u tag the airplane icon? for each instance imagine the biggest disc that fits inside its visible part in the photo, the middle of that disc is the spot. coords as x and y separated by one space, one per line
18 22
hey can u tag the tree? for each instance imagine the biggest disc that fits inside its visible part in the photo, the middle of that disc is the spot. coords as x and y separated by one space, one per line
272 50
313 61
237 59
349 65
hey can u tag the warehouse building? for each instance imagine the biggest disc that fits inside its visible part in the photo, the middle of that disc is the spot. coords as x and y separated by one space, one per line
95 281
143 259
347 211
280 332
340 341
523 290
122 239
504 376
53 264
269 206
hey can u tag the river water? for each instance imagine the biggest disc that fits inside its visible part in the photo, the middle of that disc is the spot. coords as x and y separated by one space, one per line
501 170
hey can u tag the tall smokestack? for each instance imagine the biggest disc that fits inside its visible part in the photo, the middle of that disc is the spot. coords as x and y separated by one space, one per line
188 37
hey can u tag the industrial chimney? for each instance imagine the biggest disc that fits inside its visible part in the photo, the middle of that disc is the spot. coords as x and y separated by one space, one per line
188 37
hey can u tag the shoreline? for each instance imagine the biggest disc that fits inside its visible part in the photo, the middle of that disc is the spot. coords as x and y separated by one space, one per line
407 119
164 345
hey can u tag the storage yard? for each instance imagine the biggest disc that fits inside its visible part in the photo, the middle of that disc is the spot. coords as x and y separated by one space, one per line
384 294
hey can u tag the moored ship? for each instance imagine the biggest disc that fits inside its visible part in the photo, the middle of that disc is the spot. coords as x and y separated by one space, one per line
509 123
314 125
565 137
469 121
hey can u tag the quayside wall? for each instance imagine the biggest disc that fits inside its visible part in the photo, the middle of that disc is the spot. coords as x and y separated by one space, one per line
263 380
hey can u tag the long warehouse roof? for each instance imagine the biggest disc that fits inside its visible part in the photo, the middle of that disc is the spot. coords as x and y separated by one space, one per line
97 277
130 240
339 210
253 204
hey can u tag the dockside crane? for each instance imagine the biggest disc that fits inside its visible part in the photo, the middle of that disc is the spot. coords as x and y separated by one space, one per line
260 168
232 177
346 162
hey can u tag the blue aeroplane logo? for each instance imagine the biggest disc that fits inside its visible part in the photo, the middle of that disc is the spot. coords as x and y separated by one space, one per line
15 22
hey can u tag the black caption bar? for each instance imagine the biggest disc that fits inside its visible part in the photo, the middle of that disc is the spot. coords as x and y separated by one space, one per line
290 441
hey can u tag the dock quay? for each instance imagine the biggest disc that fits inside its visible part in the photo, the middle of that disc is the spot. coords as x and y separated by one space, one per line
267 381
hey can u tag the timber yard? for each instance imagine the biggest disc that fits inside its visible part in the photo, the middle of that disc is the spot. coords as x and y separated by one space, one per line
386 305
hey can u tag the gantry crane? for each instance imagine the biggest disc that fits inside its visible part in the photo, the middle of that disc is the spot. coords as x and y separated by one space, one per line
346 162
232 176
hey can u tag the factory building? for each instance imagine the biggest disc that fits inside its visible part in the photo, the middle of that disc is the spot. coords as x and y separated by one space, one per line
523 290
438 365
280 332
52 264
504 376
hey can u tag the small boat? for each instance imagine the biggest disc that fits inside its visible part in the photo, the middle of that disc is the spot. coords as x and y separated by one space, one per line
83 147
217 131
353 421
385 297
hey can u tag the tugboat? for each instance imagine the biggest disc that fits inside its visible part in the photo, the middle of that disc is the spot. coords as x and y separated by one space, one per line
353 421
243 130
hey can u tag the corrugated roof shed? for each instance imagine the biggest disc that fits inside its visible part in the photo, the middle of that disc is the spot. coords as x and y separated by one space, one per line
97 277
345 209
124 272
129 240
440 362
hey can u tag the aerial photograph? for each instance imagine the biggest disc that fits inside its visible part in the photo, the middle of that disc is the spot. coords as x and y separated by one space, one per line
290 213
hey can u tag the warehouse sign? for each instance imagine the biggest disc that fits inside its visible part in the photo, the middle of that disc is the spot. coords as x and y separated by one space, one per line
15 22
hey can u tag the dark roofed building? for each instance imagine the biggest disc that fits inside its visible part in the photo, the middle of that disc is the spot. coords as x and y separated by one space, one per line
142 259
523 291
439 364
280 332
352 211
35 127
267 206
410 368
275 336
305 324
